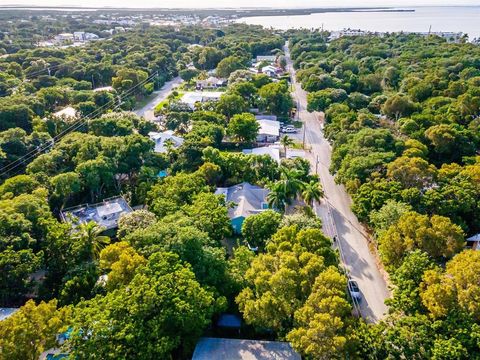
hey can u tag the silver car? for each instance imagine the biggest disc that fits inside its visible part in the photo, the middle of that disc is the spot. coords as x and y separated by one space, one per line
354 290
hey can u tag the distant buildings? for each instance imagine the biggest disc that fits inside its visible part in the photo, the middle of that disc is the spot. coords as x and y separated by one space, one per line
453 37
64 38
70 39
106 214
84 36
162 140
240 349
267 58
248 199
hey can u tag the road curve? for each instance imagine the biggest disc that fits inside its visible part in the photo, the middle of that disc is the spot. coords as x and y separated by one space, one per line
147 111
337 216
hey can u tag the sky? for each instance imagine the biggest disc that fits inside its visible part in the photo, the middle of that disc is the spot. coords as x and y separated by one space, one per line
238 3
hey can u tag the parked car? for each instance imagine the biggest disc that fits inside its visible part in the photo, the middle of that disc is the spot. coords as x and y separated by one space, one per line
354 290
289 129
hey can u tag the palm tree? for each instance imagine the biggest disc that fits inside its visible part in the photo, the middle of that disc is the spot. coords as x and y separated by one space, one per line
290 178
90 234
312 191
277 198
285 190
286 142
169 145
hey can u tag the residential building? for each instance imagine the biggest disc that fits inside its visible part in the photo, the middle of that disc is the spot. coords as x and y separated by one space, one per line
104 88
84 36
473 242
272 151
248 199
267 58
211 83
270 70
66 113
269 129
106 214
64 38
192 98
241 349
162 139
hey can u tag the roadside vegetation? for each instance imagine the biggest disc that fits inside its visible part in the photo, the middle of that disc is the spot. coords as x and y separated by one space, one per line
402 112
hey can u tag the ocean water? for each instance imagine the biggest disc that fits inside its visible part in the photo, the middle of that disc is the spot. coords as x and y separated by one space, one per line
464 19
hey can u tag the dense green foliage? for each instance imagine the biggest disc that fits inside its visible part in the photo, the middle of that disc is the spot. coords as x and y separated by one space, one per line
402 113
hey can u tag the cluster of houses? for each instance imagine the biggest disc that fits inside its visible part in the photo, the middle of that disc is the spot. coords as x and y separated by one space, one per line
450 36
268 65
68 39
211 82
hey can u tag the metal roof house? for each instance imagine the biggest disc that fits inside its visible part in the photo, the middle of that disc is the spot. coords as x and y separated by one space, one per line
473 242
272 151
248 199
240 349
160 138
192 98
269 129
106 214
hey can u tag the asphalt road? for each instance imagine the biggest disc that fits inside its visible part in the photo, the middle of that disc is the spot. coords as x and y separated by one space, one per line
337 217
160 95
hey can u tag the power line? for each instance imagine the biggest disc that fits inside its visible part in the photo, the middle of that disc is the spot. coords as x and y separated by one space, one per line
76 125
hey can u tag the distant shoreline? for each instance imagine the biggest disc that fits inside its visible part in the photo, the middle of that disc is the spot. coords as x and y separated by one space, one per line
226 12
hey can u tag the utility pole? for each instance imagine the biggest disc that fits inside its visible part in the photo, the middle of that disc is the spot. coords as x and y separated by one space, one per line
316 165
304 130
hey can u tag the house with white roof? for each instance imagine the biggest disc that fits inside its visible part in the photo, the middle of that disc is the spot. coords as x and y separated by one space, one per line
270 70
162 139
248 199
272 151
106 214
269 129
268 58
211 83
66 113
103 88
64 38
194 97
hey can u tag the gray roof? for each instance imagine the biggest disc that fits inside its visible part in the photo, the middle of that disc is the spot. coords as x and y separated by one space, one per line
105 214
7 312
239 349
247 197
